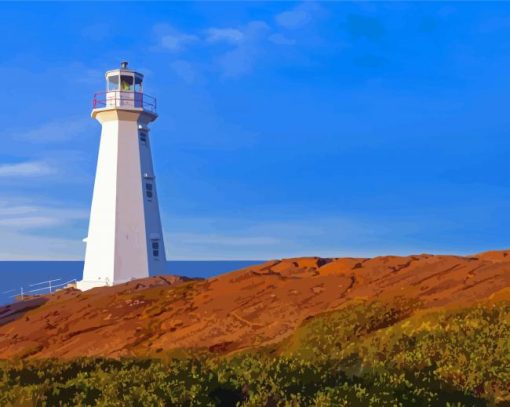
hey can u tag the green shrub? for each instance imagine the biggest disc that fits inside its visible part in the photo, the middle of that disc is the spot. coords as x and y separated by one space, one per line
368 354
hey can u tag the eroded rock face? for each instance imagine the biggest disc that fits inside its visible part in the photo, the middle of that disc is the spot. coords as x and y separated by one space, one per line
255 306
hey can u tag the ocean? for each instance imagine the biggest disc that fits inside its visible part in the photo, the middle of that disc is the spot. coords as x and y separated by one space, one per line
27 275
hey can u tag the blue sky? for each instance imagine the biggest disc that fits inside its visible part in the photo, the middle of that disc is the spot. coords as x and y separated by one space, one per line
285 129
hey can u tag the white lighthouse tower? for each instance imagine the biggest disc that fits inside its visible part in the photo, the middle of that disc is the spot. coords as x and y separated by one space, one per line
125 240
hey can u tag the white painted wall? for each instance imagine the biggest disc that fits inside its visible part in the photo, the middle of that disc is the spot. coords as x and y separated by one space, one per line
122 220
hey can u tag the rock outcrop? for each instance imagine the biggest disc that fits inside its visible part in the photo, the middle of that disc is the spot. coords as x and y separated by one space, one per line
256 306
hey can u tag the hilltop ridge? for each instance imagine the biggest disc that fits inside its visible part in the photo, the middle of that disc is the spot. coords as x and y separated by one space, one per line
251 307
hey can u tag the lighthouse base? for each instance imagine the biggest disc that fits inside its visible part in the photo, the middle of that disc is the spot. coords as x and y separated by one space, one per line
84 285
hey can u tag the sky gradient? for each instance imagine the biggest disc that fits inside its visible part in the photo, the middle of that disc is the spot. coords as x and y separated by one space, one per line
285 129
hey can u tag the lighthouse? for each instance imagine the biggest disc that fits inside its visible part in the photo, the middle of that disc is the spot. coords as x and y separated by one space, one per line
125 240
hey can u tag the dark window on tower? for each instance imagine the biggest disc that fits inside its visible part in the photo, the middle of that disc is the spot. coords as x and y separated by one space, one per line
143 138
155 247
149 190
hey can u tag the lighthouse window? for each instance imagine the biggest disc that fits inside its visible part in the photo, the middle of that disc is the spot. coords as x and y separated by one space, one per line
126 83
149 190
143 138
138 84
113 83
155 247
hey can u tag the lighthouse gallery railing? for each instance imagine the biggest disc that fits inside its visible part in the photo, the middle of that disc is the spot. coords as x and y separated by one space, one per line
124 99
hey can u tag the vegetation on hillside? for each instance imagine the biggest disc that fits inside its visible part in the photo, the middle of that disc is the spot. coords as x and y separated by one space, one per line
367 354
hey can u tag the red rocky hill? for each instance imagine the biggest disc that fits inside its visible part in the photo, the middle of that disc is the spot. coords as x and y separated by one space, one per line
251 307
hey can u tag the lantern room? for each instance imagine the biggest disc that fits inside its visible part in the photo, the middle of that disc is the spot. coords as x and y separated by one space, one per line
124 90
124 80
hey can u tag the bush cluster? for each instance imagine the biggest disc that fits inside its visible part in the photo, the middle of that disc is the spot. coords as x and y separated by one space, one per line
369 354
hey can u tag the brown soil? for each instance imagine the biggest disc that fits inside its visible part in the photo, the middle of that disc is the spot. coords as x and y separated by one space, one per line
255 306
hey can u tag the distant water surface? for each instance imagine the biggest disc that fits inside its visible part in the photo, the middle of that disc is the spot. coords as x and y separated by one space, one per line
17 274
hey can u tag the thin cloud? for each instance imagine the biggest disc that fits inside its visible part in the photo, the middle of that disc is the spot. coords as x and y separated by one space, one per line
237 62
280 39
25 246
197 238
245 41
29 222
57 131
184 70
241 59
170 39
12 210
26 169
176 42
21 224
229 35
245 44
299 16
225 240
19 216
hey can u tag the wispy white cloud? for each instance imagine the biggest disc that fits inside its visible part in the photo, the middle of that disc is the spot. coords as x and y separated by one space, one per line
22 246
247 238
226 240
26 169
245 45
247 42
12 210
29 222
41 231
281 39
229 35
184 70
299 16
241 59
237 62
279 234
56 131
53 147
170 39
21 216
176 42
